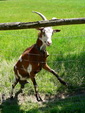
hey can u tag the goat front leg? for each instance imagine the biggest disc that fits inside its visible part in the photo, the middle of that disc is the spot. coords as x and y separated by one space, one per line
46 67
36 89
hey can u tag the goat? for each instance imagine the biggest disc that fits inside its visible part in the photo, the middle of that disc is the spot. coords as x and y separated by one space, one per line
33 59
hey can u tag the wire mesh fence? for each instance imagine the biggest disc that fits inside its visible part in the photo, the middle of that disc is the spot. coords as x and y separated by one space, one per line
70 66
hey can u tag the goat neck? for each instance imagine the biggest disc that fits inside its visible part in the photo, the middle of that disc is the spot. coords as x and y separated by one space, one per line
39 43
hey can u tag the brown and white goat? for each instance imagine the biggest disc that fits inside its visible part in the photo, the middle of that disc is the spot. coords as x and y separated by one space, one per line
33 60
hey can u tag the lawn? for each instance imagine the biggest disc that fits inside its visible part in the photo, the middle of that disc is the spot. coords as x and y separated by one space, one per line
67 55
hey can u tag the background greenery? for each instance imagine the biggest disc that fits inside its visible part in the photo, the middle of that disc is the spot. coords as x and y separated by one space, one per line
67 54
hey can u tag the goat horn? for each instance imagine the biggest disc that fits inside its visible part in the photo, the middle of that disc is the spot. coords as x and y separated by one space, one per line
42 16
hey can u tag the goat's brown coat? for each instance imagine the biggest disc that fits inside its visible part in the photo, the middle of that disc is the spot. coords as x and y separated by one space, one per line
37 59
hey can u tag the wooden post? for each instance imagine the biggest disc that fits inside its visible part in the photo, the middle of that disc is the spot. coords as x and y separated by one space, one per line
37 24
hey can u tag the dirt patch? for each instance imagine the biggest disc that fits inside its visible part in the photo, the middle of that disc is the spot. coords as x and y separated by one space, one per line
23 98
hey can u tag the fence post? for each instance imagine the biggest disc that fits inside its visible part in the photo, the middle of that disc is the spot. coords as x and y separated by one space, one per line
37 24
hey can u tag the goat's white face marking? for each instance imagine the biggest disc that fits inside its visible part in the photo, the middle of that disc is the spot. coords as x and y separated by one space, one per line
29 69
46 36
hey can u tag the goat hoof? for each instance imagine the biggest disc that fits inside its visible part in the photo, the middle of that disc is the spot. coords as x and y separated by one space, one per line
64 83
39 99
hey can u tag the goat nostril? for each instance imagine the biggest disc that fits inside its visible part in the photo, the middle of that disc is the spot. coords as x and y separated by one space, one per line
48 43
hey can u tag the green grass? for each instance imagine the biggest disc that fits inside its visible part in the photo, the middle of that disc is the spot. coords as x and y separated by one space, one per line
67 53
70 105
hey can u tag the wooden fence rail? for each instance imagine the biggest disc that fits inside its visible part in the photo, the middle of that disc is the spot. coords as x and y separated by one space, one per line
37 24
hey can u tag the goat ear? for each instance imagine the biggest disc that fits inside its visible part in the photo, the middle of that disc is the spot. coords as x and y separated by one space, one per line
56 30
40 29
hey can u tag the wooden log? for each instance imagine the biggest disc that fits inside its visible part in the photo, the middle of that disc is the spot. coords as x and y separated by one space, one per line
37 24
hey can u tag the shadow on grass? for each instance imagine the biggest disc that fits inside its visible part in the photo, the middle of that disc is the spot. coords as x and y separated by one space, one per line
10 106
75 104
71 104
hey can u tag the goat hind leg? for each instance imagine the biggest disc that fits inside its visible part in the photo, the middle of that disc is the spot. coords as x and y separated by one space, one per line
22 84
13 86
